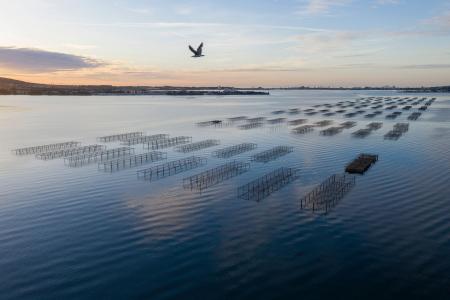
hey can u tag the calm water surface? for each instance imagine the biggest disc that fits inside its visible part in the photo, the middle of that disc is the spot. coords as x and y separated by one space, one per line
73 233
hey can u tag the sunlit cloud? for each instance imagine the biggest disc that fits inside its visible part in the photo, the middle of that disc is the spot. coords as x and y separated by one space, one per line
39 61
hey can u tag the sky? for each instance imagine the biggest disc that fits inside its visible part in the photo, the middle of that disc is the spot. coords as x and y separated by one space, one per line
248 43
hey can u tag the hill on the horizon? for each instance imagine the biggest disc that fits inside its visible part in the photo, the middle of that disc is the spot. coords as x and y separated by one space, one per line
10 83
10 86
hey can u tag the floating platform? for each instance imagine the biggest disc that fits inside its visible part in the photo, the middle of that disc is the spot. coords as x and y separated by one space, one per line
414 116
45 148
374 125
323 123
402 127
297 122
278 112
328 194
197 146
119 137
398 130
237 119
392 135
256 120
144 139
250 125
361 164
210 123
362 133
167 143
276 121
228 152
391 116
348 124
272 154
264 186
303 129
171 168
87 158
331 131
131 161
70 152
215 176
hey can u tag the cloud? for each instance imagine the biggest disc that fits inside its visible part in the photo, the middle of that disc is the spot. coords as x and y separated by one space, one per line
426 66
378 3
201 25
32 60
442 21
356 65
263 69
183 10
143 11
79 46
393 66
359 54
358 42
317 7
155 25
328 42
385 2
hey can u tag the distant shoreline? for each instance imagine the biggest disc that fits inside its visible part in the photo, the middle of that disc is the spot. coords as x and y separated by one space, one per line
16 87
149 93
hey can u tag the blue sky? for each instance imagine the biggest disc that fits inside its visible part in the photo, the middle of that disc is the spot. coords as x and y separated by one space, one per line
247 43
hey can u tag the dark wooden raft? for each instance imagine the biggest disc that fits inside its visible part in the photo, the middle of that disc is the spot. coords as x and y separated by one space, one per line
361 164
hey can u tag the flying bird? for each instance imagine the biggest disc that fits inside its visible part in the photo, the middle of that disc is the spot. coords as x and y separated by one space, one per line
198 52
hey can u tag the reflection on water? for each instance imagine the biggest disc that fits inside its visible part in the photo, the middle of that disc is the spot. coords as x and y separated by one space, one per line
80 233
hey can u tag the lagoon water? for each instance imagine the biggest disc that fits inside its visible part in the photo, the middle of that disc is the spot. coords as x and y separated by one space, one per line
78 233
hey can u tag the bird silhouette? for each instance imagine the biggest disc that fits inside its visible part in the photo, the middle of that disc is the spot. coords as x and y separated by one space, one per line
198 52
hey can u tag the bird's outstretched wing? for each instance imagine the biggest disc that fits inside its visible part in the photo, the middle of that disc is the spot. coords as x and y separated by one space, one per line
200 49
193 50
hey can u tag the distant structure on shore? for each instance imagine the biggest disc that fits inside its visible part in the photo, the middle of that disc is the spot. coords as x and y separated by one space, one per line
17 87
435 89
